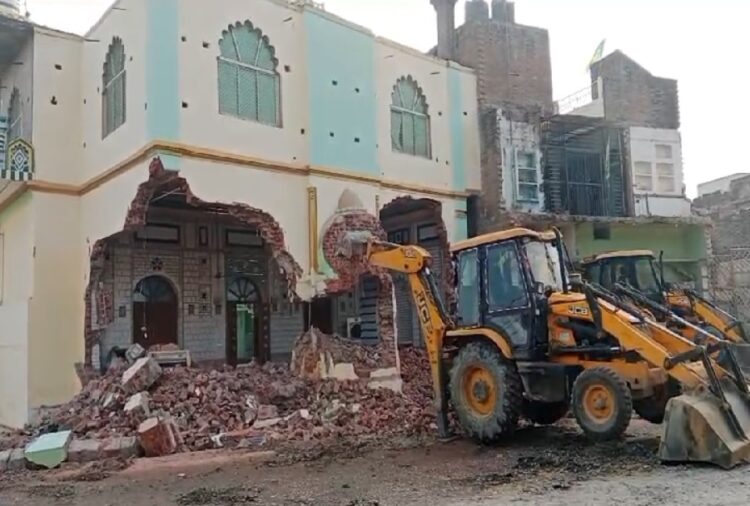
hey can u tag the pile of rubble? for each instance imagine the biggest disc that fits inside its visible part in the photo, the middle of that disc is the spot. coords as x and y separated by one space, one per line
189 409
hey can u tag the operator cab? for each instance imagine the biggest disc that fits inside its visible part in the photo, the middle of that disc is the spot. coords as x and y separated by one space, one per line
632 268
502 280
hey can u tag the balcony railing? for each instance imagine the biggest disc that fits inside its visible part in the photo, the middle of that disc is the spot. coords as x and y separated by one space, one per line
585 102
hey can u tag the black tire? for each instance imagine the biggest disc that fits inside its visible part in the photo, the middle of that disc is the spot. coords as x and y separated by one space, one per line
503 409
654 408
588 389
651 409
544 413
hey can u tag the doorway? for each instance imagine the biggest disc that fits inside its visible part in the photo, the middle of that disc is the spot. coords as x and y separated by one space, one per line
154 312
243 321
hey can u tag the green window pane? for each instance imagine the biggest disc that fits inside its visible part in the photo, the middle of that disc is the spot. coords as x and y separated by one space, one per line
265 58
228 88
421 137
528 192
247 43
396 125
527 176
226 46
421 105
408 94
268 93
248 94
407 134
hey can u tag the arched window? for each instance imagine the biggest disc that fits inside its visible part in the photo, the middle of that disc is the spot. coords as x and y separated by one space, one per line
248 80
242 291
15 116
410 121
113 88
154 289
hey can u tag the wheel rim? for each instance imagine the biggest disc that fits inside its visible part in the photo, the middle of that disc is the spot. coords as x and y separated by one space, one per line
480 390
599 403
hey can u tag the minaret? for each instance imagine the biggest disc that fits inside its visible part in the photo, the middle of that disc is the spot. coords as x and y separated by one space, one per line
446 21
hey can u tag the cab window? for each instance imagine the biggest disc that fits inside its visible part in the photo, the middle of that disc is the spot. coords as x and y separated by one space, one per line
506 288
468 288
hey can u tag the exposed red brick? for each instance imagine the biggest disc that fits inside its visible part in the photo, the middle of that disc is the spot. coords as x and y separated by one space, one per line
161 180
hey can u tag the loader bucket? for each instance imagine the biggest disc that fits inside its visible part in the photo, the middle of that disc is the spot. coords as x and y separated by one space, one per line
742 354
697 428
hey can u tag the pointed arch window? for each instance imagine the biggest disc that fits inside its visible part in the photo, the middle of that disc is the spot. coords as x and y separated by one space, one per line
113 88
410 119
249 83
15 116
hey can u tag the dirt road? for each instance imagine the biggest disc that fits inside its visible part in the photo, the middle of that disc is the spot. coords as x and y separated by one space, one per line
540 466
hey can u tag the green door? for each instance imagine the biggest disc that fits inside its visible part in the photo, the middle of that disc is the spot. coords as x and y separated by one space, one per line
246 333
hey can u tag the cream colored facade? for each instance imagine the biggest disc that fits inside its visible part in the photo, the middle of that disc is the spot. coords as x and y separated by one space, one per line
331 138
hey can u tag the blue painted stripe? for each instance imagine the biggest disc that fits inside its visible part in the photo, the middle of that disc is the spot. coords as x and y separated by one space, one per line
162 69
343 104
458 150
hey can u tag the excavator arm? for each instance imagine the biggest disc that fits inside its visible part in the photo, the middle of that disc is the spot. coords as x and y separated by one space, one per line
414 262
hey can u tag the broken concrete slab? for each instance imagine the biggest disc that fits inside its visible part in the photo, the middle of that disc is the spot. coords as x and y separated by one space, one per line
158 437
120 447
4 458
251 413
84 450
267 411
389 378
265 424
135 352
344 372
49 450
141 375
138 404
16 460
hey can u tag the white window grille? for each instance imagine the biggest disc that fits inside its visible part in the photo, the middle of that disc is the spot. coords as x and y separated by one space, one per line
113 88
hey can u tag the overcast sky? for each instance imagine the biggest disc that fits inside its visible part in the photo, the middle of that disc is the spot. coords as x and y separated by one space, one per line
702 43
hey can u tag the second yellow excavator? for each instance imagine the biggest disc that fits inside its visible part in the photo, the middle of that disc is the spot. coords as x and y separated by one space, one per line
524 339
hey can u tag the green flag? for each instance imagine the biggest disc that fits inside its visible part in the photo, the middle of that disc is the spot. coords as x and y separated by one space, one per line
598 53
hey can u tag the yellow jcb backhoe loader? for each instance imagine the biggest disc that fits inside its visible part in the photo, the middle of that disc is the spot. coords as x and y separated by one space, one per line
639 271
634 275
524 343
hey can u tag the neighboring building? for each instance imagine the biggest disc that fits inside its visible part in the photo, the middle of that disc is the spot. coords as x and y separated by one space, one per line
720 185
608 174
173 173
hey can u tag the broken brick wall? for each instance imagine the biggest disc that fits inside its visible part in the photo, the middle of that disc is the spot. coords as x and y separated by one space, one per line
418 221
350 272
195 270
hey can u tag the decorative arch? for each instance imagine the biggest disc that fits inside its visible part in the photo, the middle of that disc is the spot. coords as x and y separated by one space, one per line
243 290
113 88
15 116
249 82
410 119
155 288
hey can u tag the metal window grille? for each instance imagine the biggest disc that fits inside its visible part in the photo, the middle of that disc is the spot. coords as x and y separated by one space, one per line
410 121
249 84
114 88
15 117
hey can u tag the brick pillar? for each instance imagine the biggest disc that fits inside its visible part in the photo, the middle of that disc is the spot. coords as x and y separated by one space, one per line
446 20
477 10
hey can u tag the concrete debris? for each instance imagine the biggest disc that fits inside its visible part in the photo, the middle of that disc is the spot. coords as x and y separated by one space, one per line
49 450
16 460
158 437
138 405
267 423
135 352
121 448
141 375
197 409
84 450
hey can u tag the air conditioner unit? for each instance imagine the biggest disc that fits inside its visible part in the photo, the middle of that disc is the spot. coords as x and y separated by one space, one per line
353 328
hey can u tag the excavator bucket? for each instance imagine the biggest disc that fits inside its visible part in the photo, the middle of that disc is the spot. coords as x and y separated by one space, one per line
702 428
353 244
